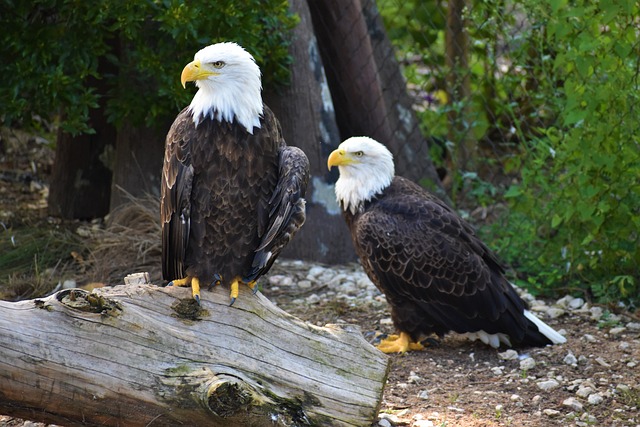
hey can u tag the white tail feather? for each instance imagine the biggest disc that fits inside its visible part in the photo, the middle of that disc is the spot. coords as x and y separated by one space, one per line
545 329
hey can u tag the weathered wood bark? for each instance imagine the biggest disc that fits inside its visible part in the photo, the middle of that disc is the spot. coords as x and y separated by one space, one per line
141 355
409 147
459 87
307 117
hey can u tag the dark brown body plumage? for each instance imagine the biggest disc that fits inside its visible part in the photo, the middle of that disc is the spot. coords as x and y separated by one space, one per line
231 200
435 272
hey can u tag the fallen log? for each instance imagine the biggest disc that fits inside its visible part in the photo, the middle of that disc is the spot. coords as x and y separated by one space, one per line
141 355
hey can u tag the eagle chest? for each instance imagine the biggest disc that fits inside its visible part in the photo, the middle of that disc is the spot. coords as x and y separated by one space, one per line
233 182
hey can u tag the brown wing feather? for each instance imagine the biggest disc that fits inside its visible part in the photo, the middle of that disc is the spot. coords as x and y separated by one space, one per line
287 213
436 273
175 204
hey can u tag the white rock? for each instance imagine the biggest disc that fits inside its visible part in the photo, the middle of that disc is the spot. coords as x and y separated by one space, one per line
589 338
633 326
602 362
304 284
572 403
387 321
555 312
508 355
576 303
316 271
595 399
536 399
596 313
527 364
423 394
617 331
570 359
497 370
413 378
391 418
551 413
514 397
584 391
548 385
312 299
383 422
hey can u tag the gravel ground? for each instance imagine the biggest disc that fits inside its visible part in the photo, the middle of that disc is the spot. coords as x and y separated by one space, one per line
593 379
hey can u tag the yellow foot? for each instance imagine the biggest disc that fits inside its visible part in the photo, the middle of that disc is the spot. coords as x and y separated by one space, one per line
399 344
235 289
189 281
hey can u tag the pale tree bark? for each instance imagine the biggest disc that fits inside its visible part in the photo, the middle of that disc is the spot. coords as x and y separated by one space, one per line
307 117
141 355
409 147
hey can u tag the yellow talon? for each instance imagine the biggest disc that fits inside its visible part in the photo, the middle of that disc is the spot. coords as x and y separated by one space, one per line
193 282
399 344
235 290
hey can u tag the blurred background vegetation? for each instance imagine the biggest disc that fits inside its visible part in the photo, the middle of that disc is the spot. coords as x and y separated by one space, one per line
554 108
547 97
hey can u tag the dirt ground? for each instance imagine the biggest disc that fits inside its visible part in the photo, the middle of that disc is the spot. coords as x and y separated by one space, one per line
593 379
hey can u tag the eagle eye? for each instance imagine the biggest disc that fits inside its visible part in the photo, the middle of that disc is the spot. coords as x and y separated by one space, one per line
218 64
358 153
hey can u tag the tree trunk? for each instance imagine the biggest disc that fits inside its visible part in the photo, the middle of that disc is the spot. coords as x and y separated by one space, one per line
306 114
409 147
138 162
80 181
352 73
142 355
459 87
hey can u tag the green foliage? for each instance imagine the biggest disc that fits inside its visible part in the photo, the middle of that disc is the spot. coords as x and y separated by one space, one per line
70 56
580 177
557 83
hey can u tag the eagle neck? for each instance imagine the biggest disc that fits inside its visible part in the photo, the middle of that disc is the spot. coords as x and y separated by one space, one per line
355 194
225 104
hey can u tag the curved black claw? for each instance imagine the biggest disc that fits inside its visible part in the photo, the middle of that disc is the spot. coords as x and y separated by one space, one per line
232 301
197 298
170 283
217 279
255 289
430 342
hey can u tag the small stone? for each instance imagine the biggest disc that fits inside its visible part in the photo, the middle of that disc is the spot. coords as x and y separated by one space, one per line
312 299
572 403
527 364
548 385
589 338
584 391
595 399
304 284
391 418
617 331
423 394
622 388
624 346
551 413
602 362
632 364
589 419
387 321
596 313
633 326
423 423
536 399
576 303
508 355
570 359
413 378
555 312
514 397
383 422
497 370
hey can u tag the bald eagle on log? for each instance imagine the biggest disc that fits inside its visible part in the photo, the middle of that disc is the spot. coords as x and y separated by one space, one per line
436 274
232 190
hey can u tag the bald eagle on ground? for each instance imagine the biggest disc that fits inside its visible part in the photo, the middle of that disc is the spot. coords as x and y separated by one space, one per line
435 272
232 190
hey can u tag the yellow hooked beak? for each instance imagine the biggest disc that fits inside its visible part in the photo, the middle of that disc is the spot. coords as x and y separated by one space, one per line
339 157
194 71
